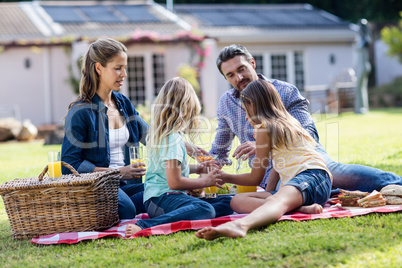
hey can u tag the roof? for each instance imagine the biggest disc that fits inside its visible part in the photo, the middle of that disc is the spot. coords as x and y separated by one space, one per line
267 16
109 18
91 19
62 22
238 20
16 24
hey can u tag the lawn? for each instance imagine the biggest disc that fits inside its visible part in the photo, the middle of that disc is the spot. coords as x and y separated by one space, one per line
368 241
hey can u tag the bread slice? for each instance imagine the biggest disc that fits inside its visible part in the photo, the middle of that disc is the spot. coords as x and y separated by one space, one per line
393 189
393 200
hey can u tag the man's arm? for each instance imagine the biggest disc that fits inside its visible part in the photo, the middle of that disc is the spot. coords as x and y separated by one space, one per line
297 106
222 144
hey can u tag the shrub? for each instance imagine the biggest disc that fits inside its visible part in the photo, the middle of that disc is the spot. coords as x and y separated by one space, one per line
388 95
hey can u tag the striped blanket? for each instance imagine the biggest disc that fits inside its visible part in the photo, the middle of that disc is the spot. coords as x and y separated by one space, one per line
165 229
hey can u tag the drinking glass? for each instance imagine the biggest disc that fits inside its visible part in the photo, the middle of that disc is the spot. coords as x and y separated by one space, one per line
54 164
241 188
136 156
211 191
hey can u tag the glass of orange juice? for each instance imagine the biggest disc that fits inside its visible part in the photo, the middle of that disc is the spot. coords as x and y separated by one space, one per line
54 164
241 188
246 189
136 155
211 191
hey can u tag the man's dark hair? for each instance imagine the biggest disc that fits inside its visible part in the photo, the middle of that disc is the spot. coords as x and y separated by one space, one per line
230 52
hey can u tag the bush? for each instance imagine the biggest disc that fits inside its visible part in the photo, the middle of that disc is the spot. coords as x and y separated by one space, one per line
389 95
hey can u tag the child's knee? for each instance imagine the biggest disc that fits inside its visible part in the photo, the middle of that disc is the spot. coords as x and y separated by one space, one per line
206 210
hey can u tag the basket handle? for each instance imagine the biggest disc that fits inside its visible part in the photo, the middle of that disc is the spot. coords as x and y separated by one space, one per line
64 164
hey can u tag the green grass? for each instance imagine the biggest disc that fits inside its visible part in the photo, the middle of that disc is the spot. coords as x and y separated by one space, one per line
374 240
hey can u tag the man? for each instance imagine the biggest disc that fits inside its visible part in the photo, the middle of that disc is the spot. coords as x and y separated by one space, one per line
237 65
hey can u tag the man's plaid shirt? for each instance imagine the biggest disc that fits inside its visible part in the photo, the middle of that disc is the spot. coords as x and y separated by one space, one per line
232 119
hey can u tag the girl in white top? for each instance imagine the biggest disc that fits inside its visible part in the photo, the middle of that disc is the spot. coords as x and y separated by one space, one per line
305 180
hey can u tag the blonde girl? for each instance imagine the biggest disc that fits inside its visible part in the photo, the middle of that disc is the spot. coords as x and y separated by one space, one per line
305 180
174 117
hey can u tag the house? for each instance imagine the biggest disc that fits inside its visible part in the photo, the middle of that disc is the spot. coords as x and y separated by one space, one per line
297 43
41 41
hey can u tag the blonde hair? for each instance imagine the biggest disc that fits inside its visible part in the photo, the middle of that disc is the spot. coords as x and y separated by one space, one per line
175 110
264 106
103 51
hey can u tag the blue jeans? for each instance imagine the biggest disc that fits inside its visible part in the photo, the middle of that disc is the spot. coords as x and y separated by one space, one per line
357 177
130 200
314 184
173 207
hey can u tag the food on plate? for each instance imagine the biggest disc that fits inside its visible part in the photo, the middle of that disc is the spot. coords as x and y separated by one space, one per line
233 189
375 199
195 192
393 194
350 198
203 158
224 189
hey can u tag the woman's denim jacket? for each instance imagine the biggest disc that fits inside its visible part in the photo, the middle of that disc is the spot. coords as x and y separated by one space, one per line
86 135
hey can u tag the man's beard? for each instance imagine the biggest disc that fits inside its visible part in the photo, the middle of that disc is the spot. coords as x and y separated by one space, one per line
237 91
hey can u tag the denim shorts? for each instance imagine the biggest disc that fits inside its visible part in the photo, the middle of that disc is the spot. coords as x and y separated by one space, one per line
314 185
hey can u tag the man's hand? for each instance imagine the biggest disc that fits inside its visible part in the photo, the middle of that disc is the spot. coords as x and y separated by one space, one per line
193 150
246 150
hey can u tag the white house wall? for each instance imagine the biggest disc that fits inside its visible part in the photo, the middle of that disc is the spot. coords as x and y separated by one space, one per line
318 68
62 92
22 87
40 97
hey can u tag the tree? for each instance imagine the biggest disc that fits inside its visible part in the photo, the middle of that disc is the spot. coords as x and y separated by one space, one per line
392 36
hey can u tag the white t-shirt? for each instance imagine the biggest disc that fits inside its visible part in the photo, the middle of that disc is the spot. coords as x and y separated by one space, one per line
117 139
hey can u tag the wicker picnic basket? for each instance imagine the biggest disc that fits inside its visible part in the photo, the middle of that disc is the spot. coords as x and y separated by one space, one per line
72 203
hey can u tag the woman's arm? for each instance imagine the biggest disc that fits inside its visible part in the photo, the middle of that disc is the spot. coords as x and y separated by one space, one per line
177 182
75 139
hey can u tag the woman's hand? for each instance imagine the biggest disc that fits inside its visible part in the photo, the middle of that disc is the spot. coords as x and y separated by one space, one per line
133 171
212 178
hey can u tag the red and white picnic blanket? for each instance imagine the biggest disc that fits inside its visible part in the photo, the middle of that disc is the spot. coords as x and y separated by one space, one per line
165 229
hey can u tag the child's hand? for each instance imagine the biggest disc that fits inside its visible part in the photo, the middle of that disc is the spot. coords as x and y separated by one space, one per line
223 175
205 166
212 178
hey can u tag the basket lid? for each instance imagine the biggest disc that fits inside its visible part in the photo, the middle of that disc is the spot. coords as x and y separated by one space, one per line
65 180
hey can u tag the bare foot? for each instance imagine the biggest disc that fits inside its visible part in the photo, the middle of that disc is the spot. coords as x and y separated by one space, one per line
229 229
311 209
131 229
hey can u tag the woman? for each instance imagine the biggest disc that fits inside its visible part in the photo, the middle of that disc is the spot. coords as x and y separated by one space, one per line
102 123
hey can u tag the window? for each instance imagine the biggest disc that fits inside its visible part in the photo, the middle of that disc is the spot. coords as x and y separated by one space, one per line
278 67
140 86
136 79
158 68
299 70
259 66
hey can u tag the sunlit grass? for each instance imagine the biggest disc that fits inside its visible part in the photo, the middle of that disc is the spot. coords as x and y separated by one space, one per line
374 240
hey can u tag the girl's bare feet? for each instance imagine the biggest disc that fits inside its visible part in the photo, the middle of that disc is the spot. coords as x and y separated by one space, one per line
311 209
131 229
230 229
